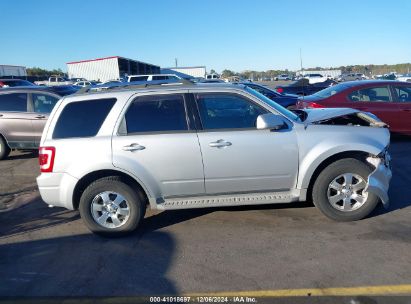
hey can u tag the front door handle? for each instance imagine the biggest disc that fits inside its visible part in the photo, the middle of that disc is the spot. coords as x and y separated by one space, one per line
40 116
220 143
133 147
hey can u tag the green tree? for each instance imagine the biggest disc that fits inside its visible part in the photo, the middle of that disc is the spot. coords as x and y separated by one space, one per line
36 71
227 73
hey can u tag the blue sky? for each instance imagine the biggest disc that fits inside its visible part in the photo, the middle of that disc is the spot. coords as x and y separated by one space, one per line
219 34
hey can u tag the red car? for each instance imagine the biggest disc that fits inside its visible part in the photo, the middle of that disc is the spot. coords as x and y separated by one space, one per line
389 100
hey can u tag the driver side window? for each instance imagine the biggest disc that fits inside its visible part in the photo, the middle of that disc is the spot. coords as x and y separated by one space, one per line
227 111
377 94
403 93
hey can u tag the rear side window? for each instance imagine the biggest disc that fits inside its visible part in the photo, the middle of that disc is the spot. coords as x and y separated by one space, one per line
14 102
377 94
403 93
43 103
139 78
160 77
82 118
160 113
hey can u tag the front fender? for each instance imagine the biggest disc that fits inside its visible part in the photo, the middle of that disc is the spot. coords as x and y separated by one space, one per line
316 156
317 143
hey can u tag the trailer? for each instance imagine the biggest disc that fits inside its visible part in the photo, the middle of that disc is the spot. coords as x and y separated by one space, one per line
109 68
186 72
12 71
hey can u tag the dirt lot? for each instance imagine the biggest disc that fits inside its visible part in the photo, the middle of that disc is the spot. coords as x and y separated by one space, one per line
48 251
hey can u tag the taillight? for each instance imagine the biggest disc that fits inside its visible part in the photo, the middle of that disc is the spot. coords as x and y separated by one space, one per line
312 105
46 158
279 90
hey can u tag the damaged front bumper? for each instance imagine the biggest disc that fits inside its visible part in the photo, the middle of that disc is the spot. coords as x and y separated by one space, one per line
379 179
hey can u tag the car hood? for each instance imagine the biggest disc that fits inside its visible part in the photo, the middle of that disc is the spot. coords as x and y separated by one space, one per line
323 114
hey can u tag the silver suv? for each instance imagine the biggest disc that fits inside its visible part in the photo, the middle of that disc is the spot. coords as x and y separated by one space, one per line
111 154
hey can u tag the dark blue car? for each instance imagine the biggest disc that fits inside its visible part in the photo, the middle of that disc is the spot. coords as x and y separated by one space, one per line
286 100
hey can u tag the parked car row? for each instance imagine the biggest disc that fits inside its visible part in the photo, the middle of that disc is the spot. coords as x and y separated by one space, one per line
389 100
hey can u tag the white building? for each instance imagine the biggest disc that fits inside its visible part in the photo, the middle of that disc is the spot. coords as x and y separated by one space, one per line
109 68
196 71
325 73
12 70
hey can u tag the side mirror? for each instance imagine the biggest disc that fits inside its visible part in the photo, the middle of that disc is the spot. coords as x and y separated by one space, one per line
270 121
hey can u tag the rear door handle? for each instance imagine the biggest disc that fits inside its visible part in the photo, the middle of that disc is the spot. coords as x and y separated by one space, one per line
220 143
40 116
133 147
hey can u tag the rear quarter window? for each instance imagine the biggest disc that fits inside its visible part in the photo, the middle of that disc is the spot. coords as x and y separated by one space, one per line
82 118
14 102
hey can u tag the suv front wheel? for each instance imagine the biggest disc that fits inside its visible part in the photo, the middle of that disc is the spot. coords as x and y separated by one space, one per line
339 190
110 207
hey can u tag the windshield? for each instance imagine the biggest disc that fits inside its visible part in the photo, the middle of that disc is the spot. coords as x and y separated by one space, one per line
16 83
273 104
330 91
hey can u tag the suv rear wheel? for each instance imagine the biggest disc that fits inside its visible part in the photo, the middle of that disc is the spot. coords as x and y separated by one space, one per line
4 148
339 191
110 207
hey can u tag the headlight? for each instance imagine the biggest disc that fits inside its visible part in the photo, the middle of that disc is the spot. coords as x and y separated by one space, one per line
385 157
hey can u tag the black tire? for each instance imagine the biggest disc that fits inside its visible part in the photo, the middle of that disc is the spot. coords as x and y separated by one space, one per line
320 189
136 206
4 148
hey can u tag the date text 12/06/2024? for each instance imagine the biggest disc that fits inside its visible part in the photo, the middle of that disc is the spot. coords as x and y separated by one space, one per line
203 299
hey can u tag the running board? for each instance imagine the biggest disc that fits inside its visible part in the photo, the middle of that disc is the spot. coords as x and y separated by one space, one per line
229 200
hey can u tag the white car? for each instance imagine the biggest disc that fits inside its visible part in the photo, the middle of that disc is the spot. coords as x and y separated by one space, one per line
83 83
283 77
212 76
315 78
404 77
132 78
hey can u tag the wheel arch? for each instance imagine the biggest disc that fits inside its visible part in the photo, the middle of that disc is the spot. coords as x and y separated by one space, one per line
4 137
87 179
360 155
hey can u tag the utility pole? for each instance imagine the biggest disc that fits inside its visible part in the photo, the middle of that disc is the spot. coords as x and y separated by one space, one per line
175 61
301 61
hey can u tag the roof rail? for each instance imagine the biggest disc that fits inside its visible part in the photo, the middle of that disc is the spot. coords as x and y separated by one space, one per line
134 85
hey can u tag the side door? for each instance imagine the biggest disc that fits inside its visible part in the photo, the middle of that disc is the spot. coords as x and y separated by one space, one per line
402 99
158 143
15 122
374 99
237 157
40 107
